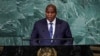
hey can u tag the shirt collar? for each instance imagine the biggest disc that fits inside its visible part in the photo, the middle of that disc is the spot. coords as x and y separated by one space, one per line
54 21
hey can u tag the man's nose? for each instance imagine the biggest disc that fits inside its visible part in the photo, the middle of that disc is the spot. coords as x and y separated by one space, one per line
50 14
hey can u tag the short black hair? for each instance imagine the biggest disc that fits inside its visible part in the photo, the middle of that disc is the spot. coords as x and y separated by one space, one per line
53 6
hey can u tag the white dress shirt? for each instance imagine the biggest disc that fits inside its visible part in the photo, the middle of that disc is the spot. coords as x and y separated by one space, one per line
53 25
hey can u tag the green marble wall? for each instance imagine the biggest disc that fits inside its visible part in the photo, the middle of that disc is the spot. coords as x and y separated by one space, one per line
18 16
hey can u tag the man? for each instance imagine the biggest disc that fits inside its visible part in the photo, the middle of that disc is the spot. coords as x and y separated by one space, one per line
51 30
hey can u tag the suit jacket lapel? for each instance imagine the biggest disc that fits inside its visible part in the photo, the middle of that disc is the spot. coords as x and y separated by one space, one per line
45 28
57 27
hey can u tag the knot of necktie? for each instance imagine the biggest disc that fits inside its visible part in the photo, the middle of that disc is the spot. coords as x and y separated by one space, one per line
50 23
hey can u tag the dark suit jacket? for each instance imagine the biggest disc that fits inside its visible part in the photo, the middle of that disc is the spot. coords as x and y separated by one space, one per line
40 31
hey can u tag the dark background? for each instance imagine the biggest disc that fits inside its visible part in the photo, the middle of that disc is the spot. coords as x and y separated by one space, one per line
32 50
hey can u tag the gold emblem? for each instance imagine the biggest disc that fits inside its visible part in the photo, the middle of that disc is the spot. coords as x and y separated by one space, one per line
1 49
46 51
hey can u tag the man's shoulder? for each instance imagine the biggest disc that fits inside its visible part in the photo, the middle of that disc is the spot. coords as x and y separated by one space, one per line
62 21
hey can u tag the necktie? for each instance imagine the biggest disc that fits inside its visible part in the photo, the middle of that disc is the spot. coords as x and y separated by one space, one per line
51 30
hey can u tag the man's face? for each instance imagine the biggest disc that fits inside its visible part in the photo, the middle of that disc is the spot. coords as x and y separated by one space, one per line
50 13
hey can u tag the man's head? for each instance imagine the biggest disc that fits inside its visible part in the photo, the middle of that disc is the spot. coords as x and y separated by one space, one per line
51 12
